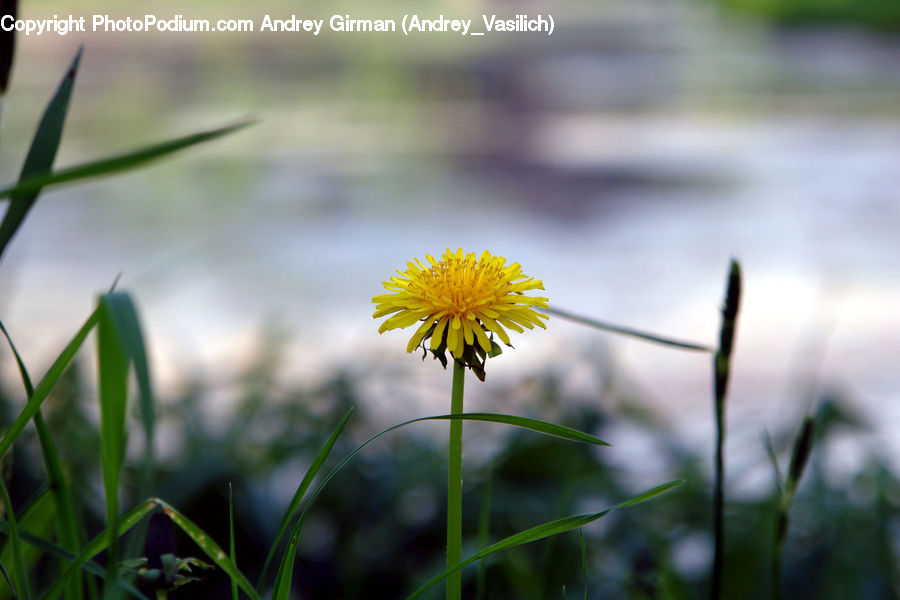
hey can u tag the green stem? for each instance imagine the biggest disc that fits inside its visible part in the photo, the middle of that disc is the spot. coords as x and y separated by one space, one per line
162 595
454 486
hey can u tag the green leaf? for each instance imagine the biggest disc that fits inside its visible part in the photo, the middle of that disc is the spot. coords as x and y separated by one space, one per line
301 491
41 154
118 163
67 530
540 532
125 320
46 385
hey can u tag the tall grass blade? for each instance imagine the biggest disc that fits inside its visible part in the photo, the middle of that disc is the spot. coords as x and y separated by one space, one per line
119 163
97 545
46 385
627 331
67 530
20 573
311 473
721 373
540 532
799 457
41 155
124 319
283 576
112 365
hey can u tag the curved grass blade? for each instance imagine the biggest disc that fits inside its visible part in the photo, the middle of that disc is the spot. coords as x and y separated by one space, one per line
97 545
542 531
67 530
20 573
120 163
311 473
635 333
41 154
46 385
212 550
54 550
285 569
560 431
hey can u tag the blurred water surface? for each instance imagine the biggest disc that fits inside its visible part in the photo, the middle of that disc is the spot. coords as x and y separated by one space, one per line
622 160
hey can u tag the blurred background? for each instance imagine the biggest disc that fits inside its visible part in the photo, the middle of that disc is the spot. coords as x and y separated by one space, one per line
623 160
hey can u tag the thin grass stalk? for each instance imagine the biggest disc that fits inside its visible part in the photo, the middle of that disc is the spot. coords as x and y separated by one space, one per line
722 371
799 457
454 485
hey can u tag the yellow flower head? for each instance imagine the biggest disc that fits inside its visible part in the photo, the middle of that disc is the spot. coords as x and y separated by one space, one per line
460 299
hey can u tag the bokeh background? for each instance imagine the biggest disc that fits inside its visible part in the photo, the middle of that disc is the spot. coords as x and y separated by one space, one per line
623 160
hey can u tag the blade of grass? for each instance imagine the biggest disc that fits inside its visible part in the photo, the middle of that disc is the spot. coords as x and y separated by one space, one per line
311 473
212 550
46 385
721 373
542 531
799 457
283 576
97 545
635 333
67 530
119 163
584 561
112 377
41 154
124 319
20 573
233 551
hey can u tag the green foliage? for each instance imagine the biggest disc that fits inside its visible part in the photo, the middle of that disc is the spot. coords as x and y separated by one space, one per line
878 15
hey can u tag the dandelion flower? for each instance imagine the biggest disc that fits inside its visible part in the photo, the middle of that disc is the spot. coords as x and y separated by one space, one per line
461 300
